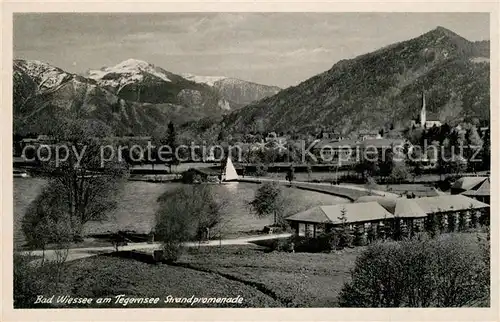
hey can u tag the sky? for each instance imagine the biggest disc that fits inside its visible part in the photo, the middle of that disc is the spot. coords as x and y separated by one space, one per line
281 49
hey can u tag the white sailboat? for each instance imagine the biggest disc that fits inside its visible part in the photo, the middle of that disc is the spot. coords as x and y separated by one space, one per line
230 173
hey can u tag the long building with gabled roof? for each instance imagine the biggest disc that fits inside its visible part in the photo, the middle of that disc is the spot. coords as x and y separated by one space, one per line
375 210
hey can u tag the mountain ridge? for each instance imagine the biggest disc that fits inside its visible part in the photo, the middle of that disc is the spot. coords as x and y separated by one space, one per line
370 91
384 86
44 91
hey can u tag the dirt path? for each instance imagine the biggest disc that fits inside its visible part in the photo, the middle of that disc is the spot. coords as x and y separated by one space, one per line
78 253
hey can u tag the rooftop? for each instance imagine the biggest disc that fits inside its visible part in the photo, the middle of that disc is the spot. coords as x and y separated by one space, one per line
399 207
483 189
354 212
448 203
389 204
408 208
468 183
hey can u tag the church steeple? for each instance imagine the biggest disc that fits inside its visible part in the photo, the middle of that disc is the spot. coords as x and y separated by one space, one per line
423 116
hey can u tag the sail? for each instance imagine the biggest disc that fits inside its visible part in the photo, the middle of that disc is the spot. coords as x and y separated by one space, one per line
230 172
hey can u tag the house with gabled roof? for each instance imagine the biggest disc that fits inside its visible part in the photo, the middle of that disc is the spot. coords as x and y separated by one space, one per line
474 187
480 192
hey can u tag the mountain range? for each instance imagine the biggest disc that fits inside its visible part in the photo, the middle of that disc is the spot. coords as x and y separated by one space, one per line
381 88
367 92
133 96
235 90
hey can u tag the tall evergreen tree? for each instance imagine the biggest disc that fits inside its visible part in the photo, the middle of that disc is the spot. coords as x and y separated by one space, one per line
462 222
344 238
451 223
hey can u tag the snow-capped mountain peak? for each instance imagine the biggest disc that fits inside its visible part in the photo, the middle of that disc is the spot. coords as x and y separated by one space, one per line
132 64
45 75
127 72
209 80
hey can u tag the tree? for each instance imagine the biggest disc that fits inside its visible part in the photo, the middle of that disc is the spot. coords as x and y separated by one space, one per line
367 168
171 141
399 172
473 222
309 172
370 185
343 232
432 224
475 145
186 214
359 236
386 164
397 233
486 152
416 170
371 234
451 223
48 221
290 175
83 184
420 272
261 170
462 222
268 201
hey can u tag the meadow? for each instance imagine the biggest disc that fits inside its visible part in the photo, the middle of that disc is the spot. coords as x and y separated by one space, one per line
292 279
261 278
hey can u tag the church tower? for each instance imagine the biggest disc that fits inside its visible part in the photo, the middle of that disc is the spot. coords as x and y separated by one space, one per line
423 117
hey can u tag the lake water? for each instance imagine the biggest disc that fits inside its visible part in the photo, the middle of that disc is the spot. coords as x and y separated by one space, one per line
138 203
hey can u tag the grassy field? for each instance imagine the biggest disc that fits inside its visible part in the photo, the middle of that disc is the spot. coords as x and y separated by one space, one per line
107 275
293 279
260 277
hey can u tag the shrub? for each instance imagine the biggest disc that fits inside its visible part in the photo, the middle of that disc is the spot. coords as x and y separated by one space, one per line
399 173
451 222
283 245
323 243
432 224
31 279
371 234
47 220
359 237
269 200
186 214
449 271
261 170
462 222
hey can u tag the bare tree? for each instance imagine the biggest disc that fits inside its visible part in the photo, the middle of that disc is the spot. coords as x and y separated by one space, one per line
80 180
